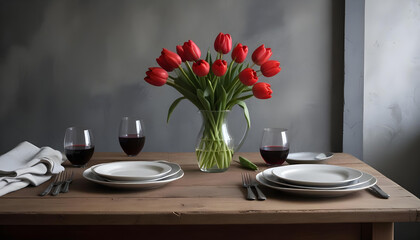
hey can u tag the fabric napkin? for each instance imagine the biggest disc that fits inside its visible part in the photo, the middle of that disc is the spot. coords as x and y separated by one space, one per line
28 164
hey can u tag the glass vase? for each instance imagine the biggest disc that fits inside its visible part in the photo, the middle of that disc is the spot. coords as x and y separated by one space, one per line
215 146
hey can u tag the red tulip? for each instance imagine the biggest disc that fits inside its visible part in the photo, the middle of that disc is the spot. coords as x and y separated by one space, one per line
169 60
180 52
219 67
156 76
223 43
261 55
201 68
248 76
191 51
161 61
262 90
270 68
239 53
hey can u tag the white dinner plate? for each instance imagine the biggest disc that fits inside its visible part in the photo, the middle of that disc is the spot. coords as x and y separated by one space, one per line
175 169
316 192
320 175
308 157
267 174
132 170
91 176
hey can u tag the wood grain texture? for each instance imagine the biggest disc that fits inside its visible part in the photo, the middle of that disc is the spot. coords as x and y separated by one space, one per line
201 199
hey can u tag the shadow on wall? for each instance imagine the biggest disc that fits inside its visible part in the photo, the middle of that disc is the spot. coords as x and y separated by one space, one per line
408 155
394 156
337 75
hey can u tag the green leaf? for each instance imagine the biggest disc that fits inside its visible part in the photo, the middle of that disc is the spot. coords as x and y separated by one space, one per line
173 106
237 100
183 82
208 58
209 94
221 97
203 100
242 104
247 164
189 95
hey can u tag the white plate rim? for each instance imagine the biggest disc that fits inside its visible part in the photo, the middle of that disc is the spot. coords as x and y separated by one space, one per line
91 176
366 177
315 192
354 174
165 170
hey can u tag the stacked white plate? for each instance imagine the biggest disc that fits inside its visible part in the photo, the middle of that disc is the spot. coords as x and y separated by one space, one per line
308 157
321 180
134 174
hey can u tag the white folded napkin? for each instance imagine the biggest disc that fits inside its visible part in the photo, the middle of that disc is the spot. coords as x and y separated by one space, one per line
27 164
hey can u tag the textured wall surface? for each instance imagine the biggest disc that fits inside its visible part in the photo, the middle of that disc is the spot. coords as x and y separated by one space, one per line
392 95
353 77
65 63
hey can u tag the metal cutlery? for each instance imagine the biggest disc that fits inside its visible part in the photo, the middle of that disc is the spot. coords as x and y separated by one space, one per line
61 179
67 182
260 194
375 189
246 182
52 184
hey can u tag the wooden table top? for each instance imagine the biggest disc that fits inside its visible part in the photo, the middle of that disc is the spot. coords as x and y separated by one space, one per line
203 198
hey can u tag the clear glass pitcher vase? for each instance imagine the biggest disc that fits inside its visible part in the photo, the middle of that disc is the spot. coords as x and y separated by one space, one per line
215 145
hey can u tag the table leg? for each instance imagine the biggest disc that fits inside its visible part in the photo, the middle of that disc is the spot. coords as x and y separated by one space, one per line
378 231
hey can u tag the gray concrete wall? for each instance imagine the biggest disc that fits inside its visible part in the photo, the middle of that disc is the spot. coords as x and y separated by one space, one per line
353 77
391 139
66 63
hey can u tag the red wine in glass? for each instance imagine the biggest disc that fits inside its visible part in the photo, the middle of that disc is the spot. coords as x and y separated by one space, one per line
78 145
79 155
132 144
274 146
274 155
131 135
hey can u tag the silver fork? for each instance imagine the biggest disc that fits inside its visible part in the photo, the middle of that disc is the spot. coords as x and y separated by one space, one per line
52 184
67 183
61 178
247 184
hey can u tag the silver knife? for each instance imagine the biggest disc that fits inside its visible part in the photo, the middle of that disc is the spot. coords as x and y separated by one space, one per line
260 194
376 189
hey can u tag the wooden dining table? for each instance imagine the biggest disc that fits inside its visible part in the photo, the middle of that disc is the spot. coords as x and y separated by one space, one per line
203 206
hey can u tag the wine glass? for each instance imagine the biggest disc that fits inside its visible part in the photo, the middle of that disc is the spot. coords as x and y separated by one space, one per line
78 146
274 146
131 135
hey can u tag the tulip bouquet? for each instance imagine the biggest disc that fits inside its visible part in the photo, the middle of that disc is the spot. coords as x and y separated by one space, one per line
214 86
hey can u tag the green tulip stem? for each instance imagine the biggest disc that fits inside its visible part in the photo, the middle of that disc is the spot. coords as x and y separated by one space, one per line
170 80
212 151
189 67
186 76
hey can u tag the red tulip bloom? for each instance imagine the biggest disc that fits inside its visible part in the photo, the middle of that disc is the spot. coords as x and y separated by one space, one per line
180 52
219 67
262 90
169 60
156 76
239 53
261 55
248 76
201 68
161 61
191 51
223 43
270 68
